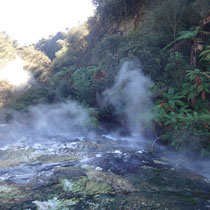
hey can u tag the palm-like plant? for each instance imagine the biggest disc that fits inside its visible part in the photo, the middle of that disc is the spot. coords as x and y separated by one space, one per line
196 84
192 37
205 55
169 107
171 100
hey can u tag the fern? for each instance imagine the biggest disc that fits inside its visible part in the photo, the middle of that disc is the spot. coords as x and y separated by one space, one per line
205 54
188 34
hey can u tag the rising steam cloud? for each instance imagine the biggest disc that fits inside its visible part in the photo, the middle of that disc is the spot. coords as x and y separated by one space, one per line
130 95
61 119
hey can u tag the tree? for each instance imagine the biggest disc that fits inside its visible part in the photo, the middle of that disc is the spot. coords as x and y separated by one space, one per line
51 46
36 62
194 37
8 49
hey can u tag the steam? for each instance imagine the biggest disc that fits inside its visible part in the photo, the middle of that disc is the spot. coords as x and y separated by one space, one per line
63 119
14 73
130 95
190 161
67 118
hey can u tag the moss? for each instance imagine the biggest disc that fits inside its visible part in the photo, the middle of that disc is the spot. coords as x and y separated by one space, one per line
13 157
84 186
95 183
55 204
66 185
9 192
97 188
56 158
118 183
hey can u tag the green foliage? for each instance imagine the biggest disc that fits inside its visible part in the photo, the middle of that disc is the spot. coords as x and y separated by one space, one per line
205 55
51 46
8 50
195 87
36 62
171 100
93 113
176 67
201 8
72 48
87 58
168 15
116 10
6 92
91 55
83 84
33 96
189 34
182 113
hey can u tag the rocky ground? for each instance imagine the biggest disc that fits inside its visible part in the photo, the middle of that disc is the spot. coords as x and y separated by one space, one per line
79 173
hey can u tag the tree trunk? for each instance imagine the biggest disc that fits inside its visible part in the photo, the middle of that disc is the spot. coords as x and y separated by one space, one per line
193 53
125 8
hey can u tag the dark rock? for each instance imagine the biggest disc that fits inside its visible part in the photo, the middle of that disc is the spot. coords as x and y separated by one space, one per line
96 174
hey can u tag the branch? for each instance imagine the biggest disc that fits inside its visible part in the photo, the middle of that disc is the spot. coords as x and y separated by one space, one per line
152 147
205 74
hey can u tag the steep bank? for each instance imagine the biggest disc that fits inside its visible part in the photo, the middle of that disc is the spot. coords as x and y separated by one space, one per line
168 40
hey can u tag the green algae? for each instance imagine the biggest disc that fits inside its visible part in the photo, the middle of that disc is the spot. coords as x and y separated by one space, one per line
84 186
55 204
118 183
10 193
74 187
56 158
97 182
13 157
66 185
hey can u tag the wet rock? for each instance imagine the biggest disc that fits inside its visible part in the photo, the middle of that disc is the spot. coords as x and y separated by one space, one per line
117 183
8 192
16 156
55 204
123 163
69 173
66 173
89 187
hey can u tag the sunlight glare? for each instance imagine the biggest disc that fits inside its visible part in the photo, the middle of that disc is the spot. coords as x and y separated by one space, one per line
14 73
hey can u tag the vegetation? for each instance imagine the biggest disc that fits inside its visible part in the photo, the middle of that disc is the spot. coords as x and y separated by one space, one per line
170 38
8 49
50 46
35 62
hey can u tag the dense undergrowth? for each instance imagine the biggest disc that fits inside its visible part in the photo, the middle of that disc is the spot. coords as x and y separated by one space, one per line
170 39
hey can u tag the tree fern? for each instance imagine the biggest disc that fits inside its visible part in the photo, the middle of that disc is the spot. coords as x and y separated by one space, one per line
205 54
188 34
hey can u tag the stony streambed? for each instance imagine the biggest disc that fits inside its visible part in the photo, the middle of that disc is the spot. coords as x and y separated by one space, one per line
80 173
